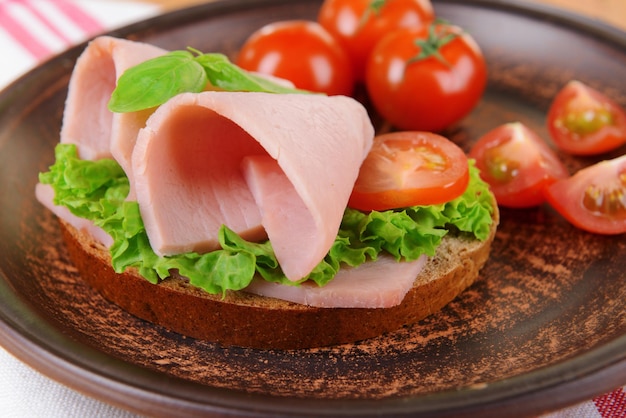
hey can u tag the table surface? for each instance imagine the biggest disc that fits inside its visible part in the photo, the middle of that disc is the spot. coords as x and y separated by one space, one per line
610 11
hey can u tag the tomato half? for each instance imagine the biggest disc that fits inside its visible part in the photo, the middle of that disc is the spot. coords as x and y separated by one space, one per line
302 52
517 164
426 79
593 199
583 121
359 24
410 169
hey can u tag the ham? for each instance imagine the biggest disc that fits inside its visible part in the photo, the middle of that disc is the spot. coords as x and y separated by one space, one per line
265 165
45 195
379 284
87 122
201 161
279 204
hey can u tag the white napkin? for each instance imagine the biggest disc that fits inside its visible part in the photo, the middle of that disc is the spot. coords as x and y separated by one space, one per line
25 393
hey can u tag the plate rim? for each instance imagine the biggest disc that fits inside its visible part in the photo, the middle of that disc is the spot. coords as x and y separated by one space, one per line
559 380
597 368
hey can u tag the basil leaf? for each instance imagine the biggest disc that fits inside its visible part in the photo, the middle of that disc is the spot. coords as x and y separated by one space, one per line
227 76
157 80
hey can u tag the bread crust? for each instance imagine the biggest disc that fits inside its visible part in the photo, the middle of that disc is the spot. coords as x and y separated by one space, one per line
243 319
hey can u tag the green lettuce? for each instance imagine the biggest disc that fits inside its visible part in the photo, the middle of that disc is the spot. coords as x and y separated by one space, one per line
96 190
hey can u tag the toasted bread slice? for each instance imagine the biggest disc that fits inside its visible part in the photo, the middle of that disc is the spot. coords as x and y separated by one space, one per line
248 320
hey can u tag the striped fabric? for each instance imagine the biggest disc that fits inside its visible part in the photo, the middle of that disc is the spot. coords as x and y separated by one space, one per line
30 32
42 28
610 405
33 30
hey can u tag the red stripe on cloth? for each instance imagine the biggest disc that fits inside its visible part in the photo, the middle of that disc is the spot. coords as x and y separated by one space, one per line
85 21
612 405
47 22
21 35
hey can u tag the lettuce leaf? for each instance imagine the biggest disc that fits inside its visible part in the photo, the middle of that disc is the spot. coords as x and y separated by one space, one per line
96 190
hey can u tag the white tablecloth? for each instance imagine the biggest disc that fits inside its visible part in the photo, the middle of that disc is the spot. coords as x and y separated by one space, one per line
30 32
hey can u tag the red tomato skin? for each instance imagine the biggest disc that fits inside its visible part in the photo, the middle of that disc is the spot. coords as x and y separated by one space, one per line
343 19
567 197
603 140
302 52
427 95
377 187
537 165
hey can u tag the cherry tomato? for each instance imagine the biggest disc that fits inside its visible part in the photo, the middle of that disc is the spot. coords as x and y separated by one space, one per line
359 24
302 52
593 199
517 164
426 79
583 121
409 169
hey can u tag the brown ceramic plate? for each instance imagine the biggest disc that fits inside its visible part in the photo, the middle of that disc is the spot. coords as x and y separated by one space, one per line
544 327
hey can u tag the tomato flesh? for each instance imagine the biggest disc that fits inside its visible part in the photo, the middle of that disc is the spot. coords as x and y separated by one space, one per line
583 121
302 52
359 24
593 199
409 169
426 79
517 164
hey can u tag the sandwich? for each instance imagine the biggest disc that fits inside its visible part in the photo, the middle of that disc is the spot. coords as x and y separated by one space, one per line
219 209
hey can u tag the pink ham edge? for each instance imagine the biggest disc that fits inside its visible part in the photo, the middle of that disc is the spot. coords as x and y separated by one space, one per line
45 195
319 143
87 122
279 204
380 284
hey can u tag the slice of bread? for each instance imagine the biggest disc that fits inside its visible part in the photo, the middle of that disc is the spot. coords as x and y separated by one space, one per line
247 320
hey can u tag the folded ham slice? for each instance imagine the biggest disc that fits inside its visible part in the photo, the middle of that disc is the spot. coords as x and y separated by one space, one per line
380 284
87 122
45 195
258 163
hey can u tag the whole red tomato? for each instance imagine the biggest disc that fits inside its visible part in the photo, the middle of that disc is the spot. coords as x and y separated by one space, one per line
426 79
359 24
583 121
302 52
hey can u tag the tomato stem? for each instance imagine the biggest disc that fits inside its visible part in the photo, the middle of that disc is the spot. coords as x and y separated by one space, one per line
431 46
376 5
373 9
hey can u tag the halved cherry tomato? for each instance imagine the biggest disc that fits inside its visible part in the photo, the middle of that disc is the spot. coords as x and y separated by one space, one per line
359 24
583 121
410 169
517 164
302 52
426 79
593 199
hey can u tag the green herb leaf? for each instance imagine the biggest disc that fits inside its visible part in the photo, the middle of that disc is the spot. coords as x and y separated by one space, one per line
225 75
155 81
